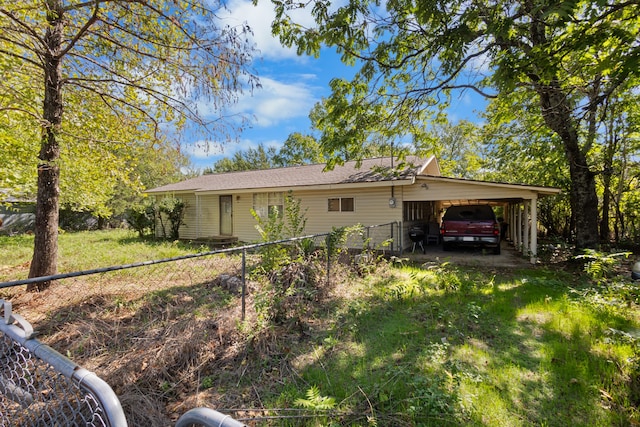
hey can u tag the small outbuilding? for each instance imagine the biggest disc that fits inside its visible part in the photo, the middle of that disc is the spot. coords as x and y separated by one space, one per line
16 215
371 192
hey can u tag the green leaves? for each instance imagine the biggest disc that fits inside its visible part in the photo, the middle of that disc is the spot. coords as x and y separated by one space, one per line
314 400
171 212
117 75
132 64
566 60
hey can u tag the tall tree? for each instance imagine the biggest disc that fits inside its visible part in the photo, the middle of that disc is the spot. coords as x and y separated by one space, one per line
103 171
299 149
151 164
521 149
616 154
570 55
356 126
458 148
146 59
251 159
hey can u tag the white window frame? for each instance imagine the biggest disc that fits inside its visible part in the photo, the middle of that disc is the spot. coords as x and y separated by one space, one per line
263 203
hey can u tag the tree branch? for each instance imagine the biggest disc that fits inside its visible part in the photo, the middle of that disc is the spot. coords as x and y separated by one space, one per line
82 31
20 57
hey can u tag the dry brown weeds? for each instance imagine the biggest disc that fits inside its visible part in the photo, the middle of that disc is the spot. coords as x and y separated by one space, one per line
169 346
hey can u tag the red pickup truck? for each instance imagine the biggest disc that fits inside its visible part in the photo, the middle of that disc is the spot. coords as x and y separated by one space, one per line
470 225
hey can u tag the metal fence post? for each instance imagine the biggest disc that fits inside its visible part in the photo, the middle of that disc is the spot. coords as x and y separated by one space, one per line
244 281
328 259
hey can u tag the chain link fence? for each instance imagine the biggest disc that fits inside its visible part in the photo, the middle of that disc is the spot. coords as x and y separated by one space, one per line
40 387
87 312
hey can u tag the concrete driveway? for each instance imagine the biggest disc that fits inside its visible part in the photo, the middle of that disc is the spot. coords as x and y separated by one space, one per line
508 257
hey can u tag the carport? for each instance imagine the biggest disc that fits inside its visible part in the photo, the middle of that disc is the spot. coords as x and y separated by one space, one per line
430 195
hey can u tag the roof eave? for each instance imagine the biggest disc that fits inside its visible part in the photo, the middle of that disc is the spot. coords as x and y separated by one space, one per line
329 186
547 191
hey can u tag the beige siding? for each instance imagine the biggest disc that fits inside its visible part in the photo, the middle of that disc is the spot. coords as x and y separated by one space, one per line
209 216
203 217
371 207
188 229
461 191
244 224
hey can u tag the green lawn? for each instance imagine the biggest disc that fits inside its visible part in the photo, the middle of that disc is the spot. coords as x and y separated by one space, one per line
454 346
88 250
403 346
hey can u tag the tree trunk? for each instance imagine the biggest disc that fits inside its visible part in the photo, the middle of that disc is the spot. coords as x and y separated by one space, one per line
45 252
610 150
605 229
557 115
607 174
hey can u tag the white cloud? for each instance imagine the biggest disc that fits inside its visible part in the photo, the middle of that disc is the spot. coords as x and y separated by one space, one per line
290 86
278 101
283 96
259 19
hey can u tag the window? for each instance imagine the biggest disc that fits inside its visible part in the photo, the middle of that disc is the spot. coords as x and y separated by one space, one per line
263 203
341 204
346 204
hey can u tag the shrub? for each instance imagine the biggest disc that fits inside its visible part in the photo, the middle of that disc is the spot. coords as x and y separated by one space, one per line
141 218
601 266
171 210
292 269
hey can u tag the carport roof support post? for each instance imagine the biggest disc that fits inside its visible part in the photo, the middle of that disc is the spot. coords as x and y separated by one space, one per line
534 230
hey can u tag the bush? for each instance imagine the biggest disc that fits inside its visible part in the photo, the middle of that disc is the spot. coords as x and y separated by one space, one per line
171 210
141 218
291 268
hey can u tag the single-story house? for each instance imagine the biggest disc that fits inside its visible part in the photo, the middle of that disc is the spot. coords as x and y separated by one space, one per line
379 191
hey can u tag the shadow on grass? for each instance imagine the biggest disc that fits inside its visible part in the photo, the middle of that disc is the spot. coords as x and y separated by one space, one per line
484 353
458 347
153 241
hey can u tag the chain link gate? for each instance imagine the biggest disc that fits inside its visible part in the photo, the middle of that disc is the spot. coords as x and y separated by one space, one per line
41 387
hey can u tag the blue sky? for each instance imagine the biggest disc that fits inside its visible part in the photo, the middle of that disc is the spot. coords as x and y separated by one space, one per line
291 86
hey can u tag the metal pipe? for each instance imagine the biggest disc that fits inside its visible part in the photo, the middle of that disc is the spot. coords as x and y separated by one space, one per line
207 417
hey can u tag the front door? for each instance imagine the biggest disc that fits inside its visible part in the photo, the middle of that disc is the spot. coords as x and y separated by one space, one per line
226 215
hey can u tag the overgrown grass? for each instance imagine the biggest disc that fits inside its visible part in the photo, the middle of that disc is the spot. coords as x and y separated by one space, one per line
405 346
452 346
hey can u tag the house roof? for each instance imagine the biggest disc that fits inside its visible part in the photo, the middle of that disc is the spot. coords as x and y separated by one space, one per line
380 170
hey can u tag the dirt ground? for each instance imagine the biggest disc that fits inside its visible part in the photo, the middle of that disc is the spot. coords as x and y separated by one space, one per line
508 257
